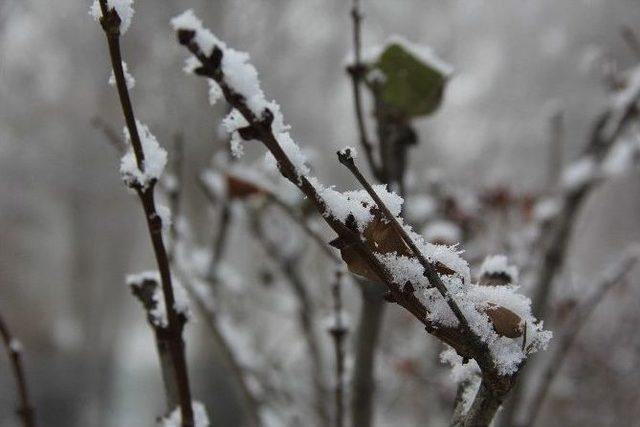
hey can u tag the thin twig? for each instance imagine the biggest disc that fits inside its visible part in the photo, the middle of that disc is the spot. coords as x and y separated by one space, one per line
306 313
615 276
174 191
462 339
110 22
430 272
26 410
356 71
338 332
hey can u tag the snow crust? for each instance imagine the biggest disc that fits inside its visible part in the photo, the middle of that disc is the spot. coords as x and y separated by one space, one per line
155 159
159 312
128 78
124 8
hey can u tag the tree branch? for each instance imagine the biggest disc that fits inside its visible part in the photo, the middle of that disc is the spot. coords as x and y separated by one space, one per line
430 272
306 312
579 319
356 71
110 22
338 332
26 409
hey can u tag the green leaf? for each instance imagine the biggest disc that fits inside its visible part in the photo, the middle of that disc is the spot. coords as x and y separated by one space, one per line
411 87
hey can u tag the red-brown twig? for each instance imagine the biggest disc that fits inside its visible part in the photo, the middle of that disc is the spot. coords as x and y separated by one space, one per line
356 71
110 22
26 410
338 332
494 386
430 272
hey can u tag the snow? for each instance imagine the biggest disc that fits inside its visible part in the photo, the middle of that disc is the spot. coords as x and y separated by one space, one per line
215 92
242 77
442 231
404 269
200 417
124 8
578 174
459 371
203 37
422 52
232 123
15 346
621 157
215 183
159 312
497 265
165 216
293 152
507 353
546 209
128 78
357 203
155 159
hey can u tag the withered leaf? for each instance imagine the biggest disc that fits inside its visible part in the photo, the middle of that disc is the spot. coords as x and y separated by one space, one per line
381 237
505 322
239 188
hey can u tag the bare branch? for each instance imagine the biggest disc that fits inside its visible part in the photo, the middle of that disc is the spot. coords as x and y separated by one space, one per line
144 290
356 71
306 312
110 22
615 276
26 409
429 269
338 332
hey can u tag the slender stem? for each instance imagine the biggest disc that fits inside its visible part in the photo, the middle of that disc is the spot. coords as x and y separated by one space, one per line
26 410
338 333
356 71
110 22
462 339
429 270
306 311
174 191
569 335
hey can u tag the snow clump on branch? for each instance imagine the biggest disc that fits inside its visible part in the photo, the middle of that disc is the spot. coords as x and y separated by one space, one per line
124 9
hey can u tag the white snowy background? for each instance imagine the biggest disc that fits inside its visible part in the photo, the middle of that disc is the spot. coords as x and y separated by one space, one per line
69 232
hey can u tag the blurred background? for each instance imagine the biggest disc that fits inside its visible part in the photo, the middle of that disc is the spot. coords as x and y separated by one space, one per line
70 232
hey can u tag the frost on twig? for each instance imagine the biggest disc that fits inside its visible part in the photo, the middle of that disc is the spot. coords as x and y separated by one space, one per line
131 82
145 287
374 240
155 160
124 9
141 167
